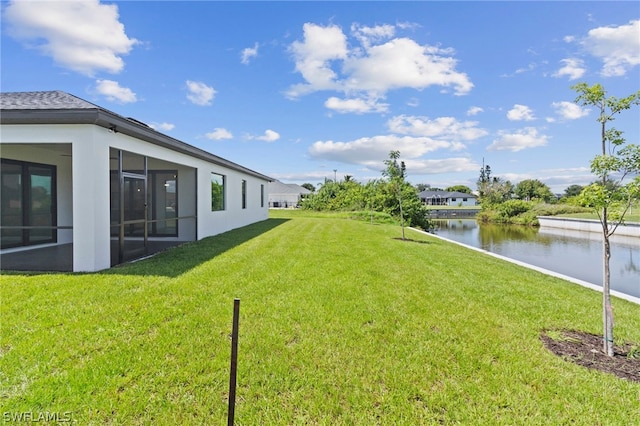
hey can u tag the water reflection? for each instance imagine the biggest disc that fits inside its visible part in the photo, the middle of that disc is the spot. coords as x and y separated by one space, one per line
573 253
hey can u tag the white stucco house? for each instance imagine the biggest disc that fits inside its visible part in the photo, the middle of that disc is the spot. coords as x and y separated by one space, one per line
447 198
106 188
285 195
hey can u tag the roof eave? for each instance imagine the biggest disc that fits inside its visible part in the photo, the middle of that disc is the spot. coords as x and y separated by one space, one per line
107 120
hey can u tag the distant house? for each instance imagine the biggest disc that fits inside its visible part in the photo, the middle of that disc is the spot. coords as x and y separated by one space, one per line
285 195
446 198
84 188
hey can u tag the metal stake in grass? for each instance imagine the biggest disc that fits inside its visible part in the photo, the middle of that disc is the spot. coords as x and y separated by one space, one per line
234 362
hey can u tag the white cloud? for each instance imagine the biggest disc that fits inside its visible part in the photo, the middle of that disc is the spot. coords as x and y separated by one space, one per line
573 68
557 179
520 113
162 126
249 53
269 136
358 106
403 63
514 142
200 93
326 62
306 176
114 92
405 25
569 111
474 110
560 179
618 47
84 36
367 35
219 133
413 102
372 151
438 166
441 127
313 55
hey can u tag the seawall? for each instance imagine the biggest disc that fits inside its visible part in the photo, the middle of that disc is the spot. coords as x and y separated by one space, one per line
445 213
587 225
539 269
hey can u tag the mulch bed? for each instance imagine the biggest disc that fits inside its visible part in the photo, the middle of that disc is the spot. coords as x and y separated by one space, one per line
586 349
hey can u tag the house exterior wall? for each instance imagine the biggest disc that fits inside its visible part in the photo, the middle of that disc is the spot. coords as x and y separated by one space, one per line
83 183
91 203
459 201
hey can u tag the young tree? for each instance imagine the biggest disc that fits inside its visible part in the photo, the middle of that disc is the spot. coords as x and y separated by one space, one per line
396 174
484 180
611 202
493 190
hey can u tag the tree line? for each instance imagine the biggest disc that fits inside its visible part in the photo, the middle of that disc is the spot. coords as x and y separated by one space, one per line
390 195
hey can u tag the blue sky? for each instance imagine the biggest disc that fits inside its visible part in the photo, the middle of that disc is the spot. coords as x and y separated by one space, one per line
303 91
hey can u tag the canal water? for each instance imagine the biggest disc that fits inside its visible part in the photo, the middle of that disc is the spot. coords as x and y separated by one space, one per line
572 253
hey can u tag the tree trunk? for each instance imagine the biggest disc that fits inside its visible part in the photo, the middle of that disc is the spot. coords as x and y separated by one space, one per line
607 310
401 214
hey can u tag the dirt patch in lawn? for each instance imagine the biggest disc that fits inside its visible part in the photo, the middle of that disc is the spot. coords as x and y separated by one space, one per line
586 349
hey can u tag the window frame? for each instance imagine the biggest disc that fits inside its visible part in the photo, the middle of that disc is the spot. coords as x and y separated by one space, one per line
244 193
223 202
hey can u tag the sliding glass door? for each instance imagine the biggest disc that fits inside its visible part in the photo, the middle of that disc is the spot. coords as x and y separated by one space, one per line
28 203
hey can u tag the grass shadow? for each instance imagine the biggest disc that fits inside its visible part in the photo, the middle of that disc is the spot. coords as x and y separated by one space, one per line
177 260
409 240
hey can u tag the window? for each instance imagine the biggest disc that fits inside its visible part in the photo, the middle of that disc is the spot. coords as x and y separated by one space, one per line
244 194
218 184
28 203
261 195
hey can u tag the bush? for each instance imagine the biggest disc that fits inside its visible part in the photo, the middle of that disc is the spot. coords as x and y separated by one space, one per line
556 209
513 208
378 195
521 212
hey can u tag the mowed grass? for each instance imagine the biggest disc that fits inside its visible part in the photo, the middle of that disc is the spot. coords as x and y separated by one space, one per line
631 217
341 323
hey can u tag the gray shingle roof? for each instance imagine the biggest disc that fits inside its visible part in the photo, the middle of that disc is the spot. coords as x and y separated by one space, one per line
42 100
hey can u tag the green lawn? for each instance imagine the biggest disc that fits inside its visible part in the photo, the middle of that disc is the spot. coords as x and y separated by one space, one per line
341 324
630 217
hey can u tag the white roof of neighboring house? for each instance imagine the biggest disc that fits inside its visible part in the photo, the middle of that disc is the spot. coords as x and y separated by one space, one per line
57 107
279 188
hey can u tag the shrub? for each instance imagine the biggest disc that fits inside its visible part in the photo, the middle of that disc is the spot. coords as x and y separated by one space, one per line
513 208
556 209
